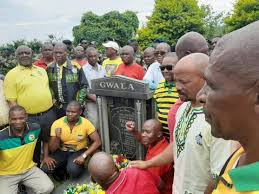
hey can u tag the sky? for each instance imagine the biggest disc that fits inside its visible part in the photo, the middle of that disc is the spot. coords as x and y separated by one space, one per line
29 19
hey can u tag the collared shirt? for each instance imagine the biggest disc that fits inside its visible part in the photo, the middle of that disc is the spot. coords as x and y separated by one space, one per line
153 75
111 66
165 172
16 153
165 96
243 179
132 180
93 72
29 87
198 156
73 139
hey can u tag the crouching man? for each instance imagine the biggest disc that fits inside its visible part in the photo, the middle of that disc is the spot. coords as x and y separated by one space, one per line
68 142
17 144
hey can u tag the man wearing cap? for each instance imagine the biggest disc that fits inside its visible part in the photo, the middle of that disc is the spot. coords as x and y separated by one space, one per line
113 60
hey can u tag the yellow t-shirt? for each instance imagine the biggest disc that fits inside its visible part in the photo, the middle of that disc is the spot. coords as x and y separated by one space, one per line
226 185
111 65
29 87
73 139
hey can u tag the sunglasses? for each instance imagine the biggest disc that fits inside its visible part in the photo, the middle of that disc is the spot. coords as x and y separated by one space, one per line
162 53
167 67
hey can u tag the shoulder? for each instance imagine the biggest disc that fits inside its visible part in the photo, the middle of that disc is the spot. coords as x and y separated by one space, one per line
4 133
33 126
75 64
154 65
59 121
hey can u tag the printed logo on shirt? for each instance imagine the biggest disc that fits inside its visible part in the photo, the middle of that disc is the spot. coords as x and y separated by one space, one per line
199 139
31 137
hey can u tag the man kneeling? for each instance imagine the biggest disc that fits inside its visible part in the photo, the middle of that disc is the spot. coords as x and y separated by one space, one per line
128 181
17 144
68 142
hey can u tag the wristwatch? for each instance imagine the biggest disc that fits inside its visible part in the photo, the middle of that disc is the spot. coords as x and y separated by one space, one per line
84 155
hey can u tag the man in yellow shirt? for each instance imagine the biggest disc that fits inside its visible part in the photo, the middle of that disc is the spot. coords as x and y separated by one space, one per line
231 97
113 61
68 142
17 144
28 86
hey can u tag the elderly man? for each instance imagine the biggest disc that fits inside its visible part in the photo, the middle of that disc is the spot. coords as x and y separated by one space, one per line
113 60
17 144
152 138
92 71
67 80
166 94
198 157
47 56
79 54
230 99
154 75
104 171
129 68
149 56
28 86
68 142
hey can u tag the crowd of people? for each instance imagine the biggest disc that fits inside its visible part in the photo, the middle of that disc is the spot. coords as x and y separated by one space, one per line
203 139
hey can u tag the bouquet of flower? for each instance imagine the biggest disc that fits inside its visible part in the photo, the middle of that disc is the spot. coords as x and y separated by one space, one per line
91 188
120 161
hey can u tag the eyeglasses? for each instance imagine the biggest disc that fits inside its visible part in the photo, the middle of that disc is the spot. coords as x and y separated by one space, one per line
167 67
162 53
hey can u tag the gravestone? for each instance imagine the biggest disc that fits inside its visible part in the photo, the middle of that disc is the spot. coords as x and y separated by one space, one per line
119 100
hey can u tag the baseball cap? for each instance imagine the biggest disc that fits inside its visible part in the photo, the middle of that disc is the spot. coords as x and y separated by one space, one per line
112 44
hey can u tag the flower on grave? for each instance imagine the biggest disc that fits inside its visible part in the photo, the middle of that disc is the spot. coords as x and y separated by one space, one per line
91 188
120 161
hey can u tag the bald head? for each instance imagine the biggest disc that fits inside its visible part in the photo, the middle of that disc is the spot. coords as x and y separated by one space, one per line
189 76
22 48
102 169
237 54
195 63
149 55
128 48
154 124
60 45
191 42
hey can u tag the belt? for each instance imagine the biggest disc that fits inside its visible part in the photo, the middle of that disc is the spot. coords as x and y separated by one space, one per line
40 113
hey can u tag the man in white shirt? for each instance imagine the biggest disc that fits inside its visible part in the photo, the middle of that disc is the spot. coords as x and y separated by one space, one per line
92 71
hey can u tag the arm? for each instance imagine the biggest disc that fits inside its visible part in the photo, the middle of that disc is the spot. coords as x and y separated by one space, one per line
91 97
54 141
210 187
130 126
166 157
83 85
80 160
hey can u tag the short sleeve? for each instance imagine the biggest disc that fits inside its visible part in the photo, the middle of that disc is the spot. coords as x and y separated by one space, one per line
10 87
53 129
90 128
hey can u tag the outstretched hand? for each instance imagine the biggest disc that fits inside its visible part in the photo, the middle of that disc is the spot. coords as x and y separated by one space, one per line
138 164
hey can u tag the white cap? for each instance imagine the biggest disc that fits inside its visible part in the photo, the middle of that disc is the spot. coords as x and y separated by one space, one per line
111 44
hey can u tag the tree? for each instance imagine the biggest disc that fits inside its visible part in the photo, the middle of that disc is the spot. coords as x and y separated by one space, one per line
244 13
214 23
111 26
170 20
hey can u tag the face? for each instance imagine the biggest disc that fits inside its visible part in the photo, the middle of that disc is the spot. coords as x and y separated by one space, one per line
160 53
17 120
47 51
24 56
60 55
227 106
127 56
188 85
73 113
150 135
79 52
84 44
92 58
110 52
149 58
167 68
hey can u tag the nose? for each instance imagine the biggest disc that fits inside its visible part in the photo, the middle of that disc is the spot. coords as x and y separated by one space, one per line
202 94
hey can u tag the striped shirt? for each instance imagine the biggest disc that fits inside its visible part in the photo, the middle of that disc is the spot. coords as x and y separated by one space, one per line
165 96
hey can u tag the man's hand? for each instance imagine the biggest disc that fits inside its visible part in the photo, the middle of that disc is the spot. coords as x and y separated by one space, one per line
130 126
58 132
79 160
138 164
50 162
